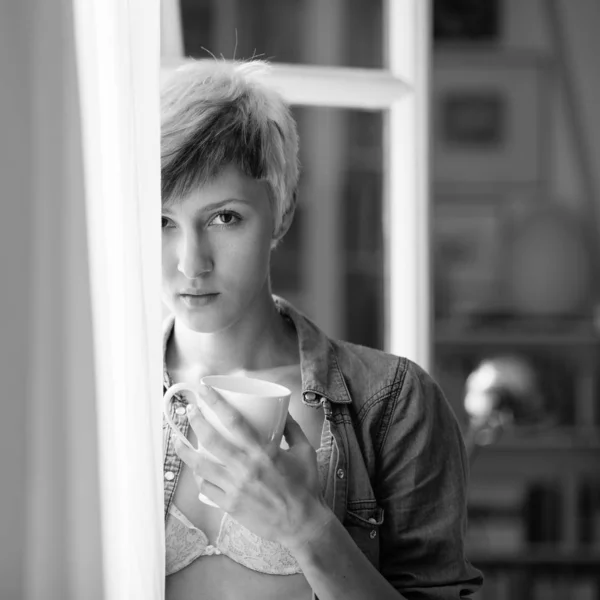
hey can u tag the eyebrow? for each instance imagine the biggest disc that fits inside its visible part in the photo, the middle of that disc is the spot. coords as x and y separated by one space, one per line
212 206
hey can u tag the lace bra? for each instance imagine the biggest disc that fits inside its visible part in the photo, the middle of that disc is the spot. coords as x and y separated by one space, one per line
185 543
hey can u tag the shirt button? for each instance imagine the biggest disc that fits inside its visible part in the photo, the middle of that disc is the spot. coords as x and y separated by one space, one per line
340 473
169 475
373 534
310 396
372 520
180 410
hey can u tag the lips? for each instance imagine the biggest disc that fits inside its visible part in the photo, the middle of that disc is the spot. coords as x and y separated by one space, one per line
197 293
198 299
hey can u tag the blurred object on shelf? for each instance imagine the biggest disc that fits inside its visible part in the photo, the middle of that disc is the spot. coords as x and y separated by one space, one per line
533 269
504 392
596 317
550 272
496 521
589 508
542 514
468 247
466 21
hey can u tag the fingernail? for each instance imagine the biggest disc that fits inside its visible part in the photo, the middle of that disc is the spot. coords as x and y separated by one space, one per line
191 409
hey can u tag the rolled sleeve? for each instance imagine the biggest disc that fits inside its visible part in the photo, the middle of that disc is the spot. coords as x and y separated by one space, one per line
422 483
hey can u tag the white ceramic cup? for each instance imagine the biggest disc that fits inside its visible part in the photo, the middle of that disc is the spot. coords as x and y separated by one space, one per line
262 403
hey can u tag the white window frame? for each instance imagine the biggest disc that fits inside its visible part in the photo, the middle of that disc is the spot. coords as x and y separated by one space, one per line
402 91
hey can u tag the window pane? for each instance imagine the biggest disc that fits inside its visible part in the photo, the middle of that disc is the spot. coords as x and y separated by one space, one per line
330 264
321 32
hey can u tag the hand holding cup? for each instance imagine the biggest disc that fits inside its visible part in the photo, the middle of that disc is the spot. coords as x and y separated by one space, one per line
239 465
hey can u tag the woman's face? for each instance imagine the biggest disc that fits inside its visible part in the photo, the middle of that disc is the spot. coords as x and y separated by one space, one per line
216 246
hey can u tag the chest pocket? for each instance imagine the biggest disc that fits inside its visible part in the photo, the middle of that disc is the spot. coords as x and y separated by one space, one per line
363 521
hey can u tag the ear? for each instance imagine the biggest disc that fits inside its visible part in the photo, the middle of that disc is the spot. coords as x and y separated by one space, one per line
283 229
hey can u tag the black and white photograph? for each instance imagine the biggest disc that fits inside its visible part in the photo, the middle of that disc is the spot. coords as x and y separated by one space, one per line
360 358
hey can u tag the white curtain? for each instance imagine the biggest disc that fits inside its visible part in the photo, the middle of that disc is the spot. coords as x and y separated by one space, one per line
81 366
118 52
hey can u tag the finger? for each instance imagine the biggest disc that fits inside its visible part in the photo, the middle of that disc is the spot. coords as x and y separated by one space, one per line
214 493
212 439
187 455
231 418
293 433
209 469
209 478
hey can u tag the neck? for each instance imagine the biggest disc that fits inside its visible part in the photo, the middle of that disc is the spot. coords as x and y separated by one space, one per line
261 340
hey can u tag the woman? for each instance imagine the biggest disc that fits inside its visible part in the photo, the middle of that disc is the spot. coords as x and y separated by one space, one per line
367 501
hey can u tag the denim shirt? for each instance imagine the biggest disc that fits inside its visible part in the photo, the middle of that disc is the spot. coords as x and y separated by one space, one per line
392 461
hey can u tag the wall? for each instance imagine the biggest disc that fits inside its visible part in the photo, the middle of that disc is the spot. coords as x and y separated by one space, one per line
528 26
16 152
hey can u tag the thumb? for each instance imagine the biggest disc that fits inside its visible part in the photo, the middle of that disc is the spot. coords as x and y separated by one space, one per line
293 433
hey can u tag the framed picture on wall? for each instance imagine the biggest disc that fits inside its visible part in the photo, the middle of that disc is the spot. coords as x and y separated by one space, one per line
489 118
468 238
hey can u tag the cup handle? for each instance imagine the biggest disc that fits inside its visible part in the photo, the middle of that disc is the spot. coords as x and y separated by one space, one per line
174 389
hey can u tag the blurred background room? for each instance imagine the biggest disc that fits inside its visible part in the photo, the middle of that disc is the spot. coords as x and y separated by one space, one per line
514 215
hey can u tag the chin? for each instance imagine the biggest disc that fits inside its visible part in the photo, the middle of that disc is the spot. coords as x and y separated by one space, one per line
199 323
205 320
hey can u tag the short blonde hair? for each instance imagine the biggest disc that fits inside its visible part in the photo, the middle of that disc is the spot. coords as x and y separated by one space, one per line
214 113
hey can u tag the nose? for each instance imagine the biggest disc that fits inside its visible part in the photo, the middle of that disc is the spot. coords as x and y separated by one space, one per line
195 255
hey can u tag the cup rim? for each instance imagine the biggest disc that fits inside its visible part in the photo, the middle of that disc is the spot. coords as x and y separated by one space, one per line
251 386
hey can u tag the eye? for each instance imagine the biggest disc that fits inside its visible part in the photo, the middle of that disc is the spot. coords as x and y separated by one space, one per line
225 218
166 223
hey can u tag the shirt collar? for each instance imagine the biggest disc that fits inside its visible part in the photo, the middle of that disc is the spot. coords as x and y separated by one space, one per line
321 374
168 324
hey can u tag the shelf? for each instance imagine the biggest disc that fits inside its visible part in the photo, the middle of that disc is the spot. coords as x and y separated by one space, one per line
550 558
449 334
557 439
